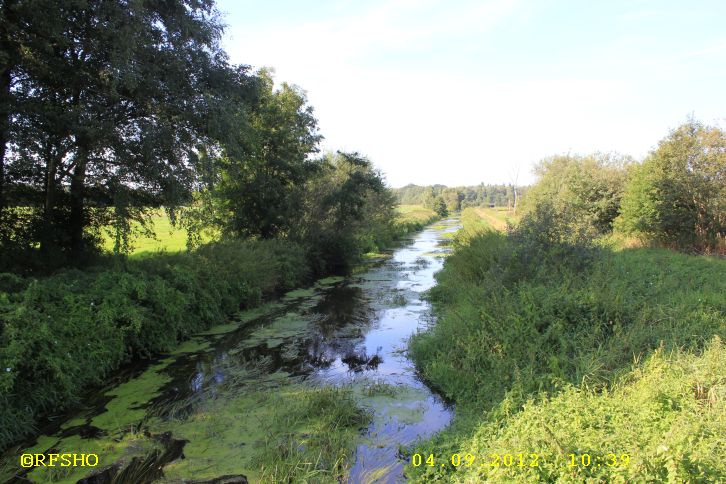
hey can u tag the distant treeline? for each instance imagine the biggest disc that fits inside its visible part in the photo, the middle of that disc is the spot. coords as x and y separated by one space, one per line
457 198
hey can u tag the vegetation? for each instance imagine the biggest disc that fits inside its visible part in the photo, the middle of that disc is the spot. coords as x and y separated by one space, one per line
499 218
120 119
166 237
115 111
412 218
555 341
588 189
65 332
453 199
111 112
677 197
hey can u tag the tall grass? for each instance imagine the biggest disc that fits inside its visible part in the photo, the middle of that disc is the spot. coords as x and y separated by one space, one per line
412 218
552 347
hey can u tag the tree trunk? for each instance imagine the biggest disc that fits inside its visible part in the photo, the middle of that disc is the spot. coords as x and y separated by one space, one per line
77 221
9 50
47 242
4 127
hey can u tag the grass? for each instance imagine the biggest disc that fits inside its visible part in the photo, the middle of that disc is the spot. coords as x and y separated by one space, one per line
416 213
598 352
168 238
497 217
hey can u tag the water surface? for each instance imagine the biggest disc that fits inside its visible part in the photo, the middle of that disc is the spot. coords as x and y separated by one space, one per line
343 331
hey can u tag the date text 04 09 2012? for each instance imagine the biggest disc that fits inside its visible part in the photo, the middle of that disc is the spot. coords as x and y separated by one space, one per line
518 460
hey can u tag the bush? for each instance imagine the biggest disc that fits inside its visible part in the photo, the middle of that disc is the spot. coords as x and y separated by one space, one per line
677 197
68 331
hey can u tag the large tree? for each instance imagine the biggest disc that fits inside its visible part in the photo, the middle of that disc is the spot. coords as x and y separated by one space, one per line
258 178
113 100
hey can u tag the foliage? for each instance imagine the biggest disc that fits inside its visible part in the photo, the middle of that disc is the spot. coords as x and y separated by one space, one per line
677 197
439 206
587 188
540 327
347 210
457 198
108 106
65 332
255 193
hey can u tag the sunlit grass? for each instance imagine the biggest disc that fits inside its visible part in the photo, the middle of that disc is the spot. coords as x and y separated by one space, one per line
497 217
415 213
168 237
623 355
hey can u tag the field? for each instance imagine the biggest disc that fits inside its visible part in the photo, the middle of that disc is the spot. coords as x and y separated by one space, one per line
168 238
174 239
497 217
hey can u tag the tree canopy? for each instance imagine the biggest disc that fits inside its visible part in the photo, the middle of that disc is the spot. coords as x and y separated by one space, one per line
678 195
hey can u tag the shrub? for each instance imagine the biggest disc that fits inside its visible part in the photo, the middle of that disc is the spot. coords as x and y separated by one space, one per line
677 197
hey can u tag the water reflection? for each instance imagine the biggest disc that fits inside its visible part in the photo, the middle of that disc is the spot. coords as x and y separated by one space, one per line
351 332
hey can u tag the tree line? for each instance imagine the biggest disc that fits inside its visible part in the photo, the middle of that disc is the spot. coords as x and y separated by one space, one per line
109 110
445 199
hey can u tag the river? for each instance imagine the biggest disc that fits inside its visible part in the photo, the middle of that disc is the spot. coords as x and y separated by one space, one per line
345 332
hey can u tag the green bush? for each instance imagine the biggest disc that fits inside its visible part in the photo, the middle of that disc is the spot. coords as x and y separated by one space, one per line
68 331
677 197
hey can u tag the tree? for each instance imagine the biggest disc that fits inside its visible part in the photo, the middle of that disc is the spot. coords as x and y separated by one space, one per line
112 101
346 206
588 187
439 206
453 198
677 197
257 182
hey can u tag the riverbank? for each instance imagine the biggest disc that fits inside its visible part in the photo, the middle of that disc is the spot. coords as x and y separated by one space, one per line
293 389
64 333
69 331
577 362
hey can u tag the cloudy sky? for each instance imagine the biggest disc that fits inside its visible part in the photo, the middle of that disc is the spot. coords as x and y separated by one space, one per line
463 92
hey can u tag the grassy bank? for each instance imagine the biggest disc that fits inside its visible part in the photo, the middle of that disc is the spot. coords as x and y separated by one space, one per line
498 217
563 350
63 333
412 218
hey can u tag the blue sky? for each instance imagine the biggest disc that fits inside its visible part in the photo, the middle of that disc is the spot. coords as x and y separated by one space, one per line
463 92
